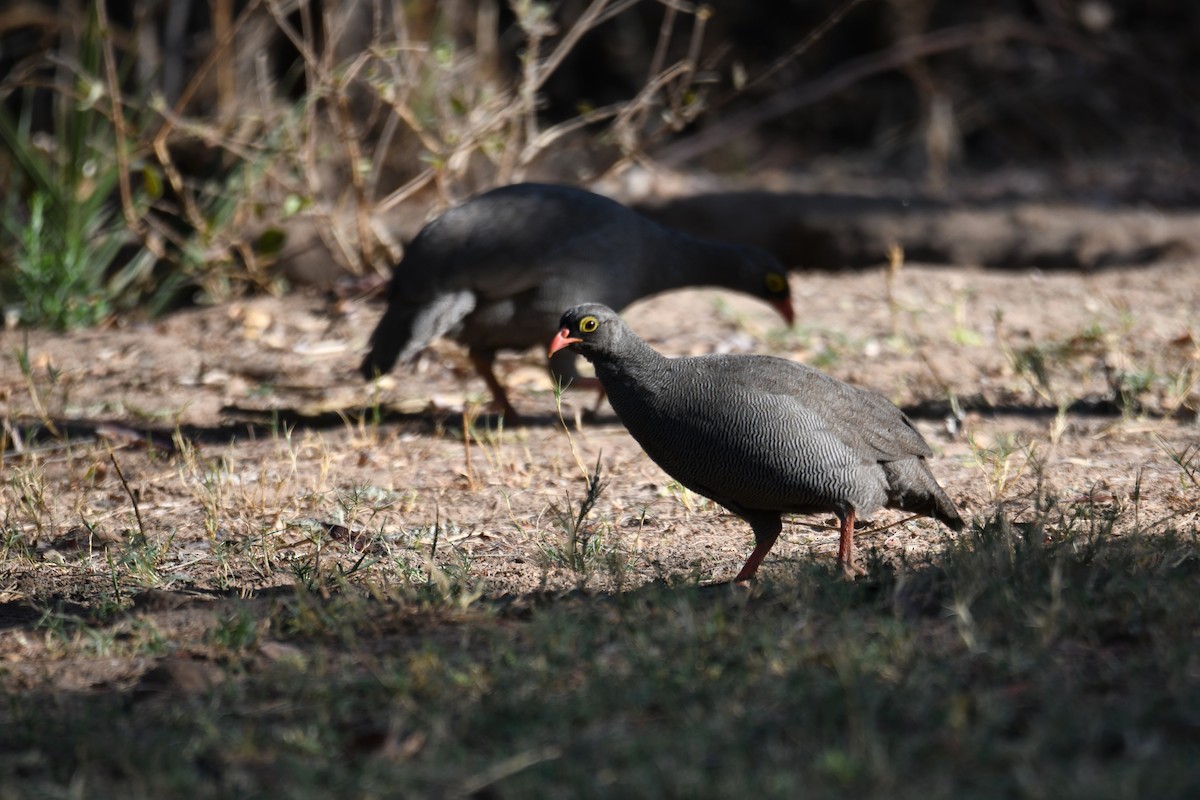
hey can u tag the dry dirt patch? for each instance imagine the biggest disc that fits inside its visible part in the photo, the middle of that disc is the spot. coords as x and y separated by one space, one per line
257 458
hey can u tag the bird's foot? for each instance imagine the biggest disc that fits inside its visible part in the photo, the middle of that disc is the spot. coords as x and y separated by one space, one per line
851 571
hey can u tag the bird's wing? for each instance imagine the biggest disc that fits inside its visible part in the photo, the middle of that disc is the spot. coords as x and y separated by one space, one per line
506 243
864 420
438 317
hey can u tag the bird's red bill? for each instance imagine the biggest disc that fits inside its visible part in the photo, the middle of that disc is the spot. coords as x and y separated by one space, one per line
784 307
561 340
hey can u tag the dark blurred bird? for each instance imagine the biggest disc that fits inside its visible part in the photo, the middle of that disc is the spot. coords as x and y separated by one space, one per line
496 272
762 436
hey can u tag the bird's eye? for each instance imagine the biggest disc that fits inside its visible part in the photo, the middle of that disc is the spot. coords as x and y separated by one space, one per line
776 283
588 325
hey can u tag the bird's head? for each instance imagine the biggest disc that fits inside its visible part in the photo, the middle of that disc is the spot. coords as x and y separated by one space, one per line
766 278
590 330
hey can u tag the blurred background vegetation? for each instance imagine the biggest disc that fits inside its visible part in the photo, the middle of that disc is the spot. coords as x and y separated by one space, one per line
157 154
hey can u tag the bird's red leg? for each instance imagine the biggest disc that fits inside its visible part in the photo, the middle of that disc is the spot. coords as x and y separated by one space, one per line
765 534
483 365
846 544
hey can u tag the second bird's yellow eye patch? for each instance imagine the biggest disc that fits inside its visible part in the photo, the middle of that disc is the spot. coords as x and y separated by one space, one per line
588 325
776 283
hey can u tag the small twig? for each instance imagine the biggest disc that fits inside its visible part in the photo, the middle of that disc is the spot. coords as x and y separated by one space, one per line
10 434
437 527
468 422
402 81
195 217
664 39
118 120
386 134
34 395
406 191
702 16
529 84
895 264
308 144
479 784
342 119
814 36
646 94
660 51
132 498
227 99
883 528
589 19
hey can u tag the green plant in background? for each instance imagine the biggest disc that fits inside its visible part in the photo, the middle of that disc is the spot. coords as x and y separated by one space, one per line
62 236
54 268
128 199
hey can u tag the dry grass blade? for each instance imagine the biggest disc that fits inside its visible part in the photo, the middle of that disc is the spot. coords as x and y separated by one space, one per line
1186 457
137 511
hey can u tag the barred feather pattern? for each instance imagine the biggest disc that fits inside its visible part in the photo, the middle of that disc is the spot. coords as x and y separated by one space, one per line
759 434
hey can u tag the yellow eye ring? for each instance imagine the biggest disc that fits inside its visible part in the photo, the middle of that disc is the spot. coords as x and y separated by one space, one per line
588 325
776 283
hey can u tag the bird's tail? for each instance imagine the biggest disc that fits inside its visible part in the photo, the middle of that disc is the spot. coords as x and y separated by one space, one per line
943 509
393 331
407 327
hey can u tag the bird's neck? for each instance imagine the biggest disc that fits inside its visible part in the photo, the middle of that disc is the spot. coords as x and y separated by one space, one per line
640 365
689 261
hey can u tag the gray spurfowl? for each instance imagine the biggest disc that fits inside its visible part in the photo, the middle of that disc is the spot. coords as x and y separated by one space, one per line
762 436
496 272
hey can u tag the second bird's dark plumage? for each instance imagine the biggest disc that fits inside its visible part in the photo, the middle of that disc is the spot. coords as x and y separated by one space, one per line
762 436
496 272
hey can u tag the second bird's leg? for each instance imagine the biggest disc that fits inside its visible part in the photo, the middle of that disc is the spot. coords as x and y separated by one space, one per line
483 365
766 531
846 544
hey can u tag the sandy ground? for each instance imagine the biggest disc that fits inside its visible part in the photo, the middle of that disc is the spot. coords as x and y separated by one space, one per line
255 457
